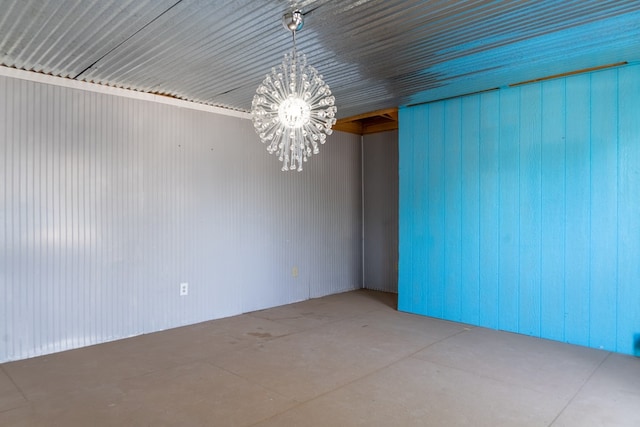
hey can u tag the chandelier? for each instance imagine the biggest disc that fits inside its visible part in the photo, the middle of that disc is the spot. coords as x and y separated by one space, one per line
293 109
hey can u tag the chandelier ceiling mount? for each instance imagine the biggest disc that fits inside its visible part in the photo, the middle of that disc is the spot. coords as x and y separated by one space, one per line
293 21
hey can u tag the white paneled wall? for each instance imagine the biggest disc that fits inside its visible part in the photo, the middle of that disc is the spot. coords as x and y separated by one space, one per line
380 194
108 203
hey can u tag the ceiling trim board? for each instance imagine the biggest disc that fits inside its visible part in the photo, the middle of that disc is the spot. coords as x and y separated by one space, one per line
116 91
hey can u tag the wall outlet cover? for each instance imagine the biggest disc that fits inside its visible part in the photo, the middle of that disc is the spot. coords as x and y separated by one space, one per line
184 289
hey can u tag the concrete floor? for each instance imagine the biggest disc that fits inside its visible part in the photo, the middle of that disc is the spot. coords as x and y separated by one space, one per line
343 360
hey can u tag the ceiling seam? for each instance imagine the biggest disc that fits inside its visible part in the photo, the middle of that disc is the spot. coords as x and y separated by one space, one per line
127 39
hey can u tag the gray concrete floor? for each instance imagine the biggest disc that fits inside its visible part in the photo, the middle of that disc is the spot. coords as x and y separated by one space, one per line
343 360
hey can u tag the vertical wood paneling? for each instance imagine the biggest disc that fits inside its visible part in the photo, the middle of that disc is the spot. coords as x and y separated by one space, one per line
578 206
470 211
604 173
108 203
507 316
552 209
452 206
556 214
412 225
436 214
488 181
529 219
628 296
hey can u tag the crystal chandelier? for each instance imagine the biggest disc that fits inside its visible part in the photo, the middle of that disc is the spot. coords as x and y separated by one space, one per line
293 109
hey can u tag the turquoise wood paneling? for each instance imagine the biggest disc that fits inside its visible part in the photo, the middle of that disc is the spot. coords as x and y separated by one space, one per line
577 197
604 231
529 200
452 192
435 220
628 314
489 185
470 213
552 210
519 209
415 162
508 211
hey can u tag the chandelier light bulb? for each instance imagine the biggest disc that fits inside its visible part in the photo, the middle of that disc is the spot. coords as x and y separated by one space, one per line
294 112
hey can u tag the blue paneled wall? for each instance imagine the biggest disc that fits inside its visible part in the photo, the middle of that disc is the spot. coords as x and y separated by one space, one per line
520 209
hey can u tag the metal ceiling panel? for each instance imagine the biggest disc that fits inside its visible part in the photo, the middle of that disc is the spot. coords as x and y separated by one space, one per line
374 54
62 38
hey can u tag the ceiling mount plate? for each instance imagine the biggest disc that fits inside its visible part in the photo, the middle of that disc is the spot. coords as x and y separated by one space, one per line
293 21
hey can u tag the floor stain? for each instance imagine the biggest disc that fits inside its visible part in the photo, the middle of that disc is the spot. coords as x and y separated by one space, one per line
260 334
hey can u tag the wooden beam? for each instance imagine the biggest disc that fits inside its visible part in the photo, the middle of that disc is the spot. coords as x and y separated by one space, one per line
372 114
392 115
372 122
348 126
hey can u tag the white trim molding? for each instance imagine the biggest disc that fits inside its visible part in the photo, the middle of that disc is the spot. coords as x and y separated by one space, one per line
116 91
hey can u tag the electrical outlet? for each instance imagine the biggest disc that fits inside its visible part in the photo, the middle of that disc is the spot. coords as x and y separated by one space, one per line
184 289
294 271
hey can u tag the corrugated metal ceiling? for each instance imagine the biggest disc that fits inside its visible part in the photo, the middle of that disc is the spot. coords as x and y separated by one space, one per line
374 54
